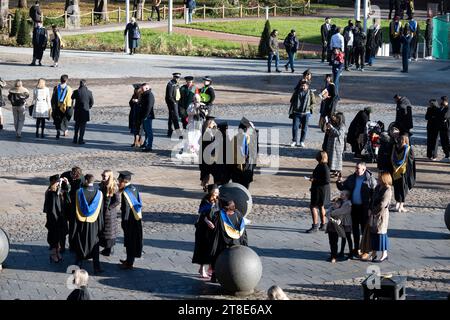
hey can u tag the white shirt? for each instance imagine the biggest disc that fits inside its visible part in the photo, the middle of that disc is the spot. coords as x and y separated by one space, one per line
337 41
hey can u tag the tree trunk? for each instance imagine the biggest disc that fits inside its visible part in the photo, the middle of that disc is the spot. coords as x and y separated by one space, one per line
4 9
140 5
22 4
101 9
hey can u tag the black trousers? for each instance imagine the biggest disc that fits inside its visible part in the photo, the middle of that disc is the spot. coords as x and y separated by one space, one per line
344 241
40 122
172 123
432 143
359 220
444 134
333 239
360 56
130 258
324 52
155 8
348 56
80 127
413 46
95 257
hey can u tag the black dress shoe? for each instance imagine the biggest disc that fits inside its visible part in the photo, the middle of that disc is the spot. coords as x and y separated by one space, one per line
98 271
74 141
81 142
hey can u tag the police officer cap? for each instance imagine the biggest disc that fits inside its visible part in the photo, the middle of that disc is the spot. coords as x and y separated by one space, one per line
189 78
176 75
207 79
125 175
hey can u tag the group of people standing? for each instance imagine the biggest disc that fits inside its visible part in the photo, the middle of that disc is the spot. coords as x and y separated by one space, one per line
87 213
61 105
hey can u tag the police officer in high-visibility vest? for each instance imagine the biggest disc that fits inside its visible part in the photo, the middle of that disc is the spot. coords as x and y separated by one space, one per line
207 94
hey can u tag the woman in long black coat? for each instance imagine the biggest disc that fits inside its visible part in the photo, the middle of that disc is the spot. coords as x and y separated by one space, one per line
356 128
134 35
55 206
111 202
56 44
433 124
134 121
204 229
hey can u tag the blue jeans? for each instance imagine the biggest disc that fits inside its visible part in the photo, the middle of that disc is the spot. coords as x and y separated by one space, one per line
371 59
272 55
190 12
300 120
336 77
291 57
148 142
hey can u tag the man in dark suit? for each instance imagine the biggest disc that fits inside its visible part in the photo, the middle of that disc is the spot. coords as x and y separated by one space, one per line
325 33
173 95
39 41
147 115
83 103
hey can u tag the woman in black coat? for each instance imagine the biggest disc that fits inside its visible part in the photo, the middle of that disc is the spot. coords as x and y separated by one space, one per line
134 35
204 229
111 201
356 128
83 103
55 206
134 121
433 124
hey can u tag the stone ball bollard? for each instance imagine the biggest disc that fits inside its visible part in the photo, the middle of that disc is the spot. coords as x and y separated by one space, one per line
447 217
239 194
238 270
4 246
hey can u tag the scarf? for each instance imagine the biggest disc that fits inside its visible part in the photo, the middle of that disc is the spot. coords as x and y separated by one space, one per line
399 161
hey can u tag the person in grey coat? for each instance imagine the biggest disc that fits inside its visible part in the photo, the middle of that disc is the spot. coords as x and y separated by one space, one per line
83 103
335 143
273 51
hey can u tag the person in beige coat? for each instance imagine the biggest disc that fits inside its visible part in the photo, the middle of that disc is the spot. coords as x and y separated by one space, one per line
18 97
42 106
379 217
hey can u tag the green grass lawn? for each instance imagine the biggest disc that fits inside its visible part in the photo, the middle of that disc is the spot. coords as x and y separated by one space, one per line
155 42
308 29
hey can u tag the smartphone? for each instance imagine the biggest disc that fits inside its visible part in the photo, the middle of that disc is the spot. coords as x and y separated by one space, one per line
326 119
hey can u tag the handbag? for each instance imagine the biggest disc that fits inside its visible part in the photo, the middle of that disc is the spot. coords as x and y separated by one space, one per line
30 109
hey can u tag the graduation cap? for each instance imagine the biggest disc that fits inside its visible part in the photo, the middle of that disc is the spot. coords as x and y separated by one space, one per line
176 74
189 78
125 175
54 178
207 79
245 123
137 85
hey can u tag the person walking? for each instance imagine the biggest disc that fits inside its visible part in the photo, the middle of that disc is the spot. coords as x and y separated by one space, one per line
134 35
335 129
18 97
444 127
187 93
83 103
62 106
348 45
325 35
406 48
429 39
111 202
172 98
395 34
205 228
379 217
39 42
360 41
207 95
357 129
131 209
89 223
415 32
291 45
55 207
273 51
147 114
361 185
374 42
56 43
320 192
403 115
302 102
404 171
2 102
338 66
42 106
155 7
433 127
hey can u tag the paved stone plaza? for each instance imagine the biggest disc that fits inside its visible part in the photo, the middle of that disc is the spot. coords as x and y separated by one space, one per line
171 192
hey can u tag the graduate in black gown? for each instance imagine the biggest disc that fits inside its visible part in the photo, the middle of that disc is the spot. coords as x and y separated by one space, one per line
230 231
55 207
130 208
204 229
88 223
76 180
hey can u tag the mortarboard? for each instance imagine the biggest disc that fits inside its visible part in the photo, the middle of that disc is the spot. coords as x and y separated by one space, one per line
189 78
125 175
176 74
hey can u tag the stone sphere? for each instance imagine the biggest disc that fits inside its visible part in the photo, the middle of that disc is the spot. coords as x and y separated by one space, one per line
240 195
238 270
4 246
447 217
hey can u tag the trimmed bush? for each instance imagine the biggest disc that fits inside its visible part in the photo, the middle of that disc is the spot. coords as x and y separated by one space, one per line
23 35
16 23
263 49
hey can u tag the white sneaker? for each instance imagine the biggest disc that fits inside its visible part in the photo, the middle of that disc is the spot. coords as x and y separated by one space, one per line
302 144
293 144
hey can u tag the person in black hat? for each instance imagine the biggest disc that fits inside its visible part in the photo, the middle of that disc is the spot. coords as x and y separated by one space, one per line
89 223
208 94
172 98
55 207
204 229
130 208
187 93
444 127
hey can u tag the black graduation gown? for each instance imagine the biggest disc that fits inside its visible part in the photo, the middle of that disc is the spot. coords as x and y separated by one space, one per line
70 215
110 205
39 42
204 236
403 116
79 295
357 127
86 234
55 48
132 228
222 240
55 207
